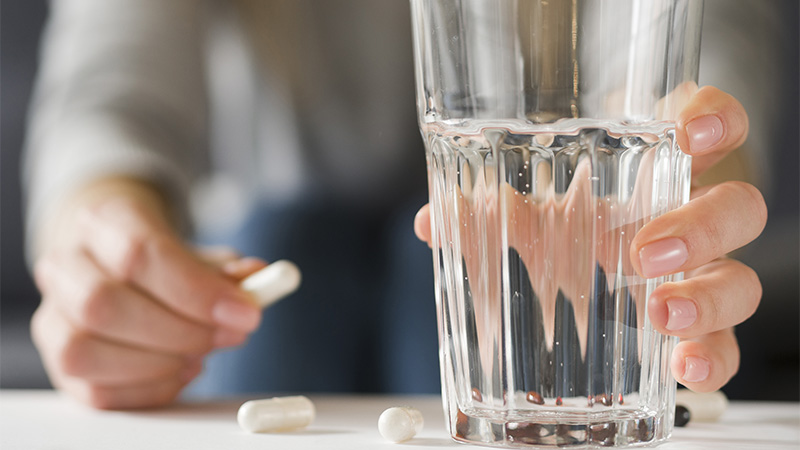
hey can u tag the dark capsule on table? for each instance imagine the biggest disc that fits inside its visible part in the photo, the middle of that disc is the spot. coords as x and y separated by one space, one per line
527 433
682 416
603 399
534 397
566 435
476 395
644 430
462 425
603 434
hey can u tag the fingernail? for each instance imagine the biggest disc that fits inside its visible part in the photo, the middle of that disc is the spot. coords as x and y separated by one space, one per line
237 314
704 132
696 369
682 313
225 337
662 257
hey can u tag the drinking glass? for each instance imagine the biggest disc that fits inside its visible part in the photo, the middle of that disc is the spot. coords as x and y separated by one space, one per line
549 128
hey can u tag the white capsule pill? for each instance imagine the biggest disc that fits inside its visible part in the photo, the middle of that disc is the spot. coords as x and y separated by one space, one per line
400 424
276 414
703 407
273 282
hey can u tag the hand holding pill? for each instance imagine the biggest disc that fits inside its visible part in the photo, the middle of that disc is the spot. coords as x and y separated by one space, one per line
129 311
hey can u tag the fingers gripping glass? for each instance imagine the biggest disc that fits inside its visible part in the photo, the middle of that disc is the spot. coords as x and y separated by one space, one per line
549 132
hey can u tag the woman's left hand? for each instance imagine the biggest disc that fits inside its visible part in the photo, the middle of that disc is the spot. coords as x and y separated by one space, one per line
717 293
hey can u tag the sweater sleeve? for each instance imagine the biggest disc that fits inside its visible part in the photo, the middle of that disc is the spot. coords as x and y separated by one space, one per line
120 91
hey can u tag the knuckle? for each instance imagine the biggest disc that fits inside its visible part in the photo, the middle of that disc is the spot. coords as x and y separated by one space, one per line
744 201
86 219
160 244
166 396
75 357
43 267
737 120
730 359
743 123
219 254
725 98
710 302
100 397
131 256
669 289
107 398
97 308
754 288
735 356
90 213
97 397
38 326
138 249
708 93
752 206
757 205
732 112
709 237
200 342
188 339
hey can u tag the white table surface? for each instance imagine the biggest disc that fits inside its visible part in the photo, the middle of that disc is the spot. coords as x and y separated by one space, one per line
47 420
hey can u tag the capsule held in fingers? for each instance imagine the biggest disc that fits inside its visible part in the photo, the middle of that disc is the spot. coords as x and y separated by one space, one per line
273 282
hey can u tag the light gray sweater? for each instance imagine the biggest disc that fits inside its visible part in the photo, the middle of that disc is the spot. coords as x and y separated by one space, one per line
236 102
242 101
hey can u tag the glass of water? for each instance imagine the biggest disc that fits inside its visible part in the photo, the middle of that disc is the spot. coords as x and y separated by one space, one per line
549 133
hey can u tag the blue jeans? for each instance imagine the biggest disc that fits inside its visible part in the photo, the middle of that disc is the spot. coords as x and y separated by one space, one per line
363 320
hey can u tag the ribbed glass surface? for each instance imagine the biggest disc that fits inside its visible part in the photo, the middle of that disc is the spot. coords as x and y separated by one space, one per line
542 317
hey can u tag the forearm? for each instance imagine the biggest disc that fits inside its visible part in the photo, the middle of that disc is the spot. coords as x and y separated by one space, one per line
120 93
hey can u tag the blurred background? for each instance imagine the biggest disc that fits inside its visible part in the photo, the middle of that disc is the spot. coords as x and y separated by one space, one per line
750 49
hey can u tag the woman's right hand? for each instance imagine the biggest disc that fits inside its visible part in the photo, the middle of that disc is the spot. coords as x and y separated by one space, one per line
128 311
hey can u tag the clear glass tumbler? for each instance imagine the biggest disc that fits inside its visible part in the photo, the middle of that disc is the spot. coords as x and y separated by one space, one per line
549 132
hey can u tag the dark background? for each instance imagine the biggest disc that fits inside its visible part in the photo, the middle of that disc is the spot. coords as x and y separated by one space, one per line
20 26
769 341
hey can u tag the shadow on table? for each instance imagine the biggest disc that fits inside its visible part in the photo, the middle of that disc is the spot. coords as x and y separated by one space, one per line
314 432
200 411
704 443
431 442
216 411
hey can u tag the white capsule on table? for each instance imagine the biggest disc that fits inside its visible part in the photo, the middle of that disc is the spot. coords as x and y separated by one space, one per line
273 282
703 407
276 414
400 424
